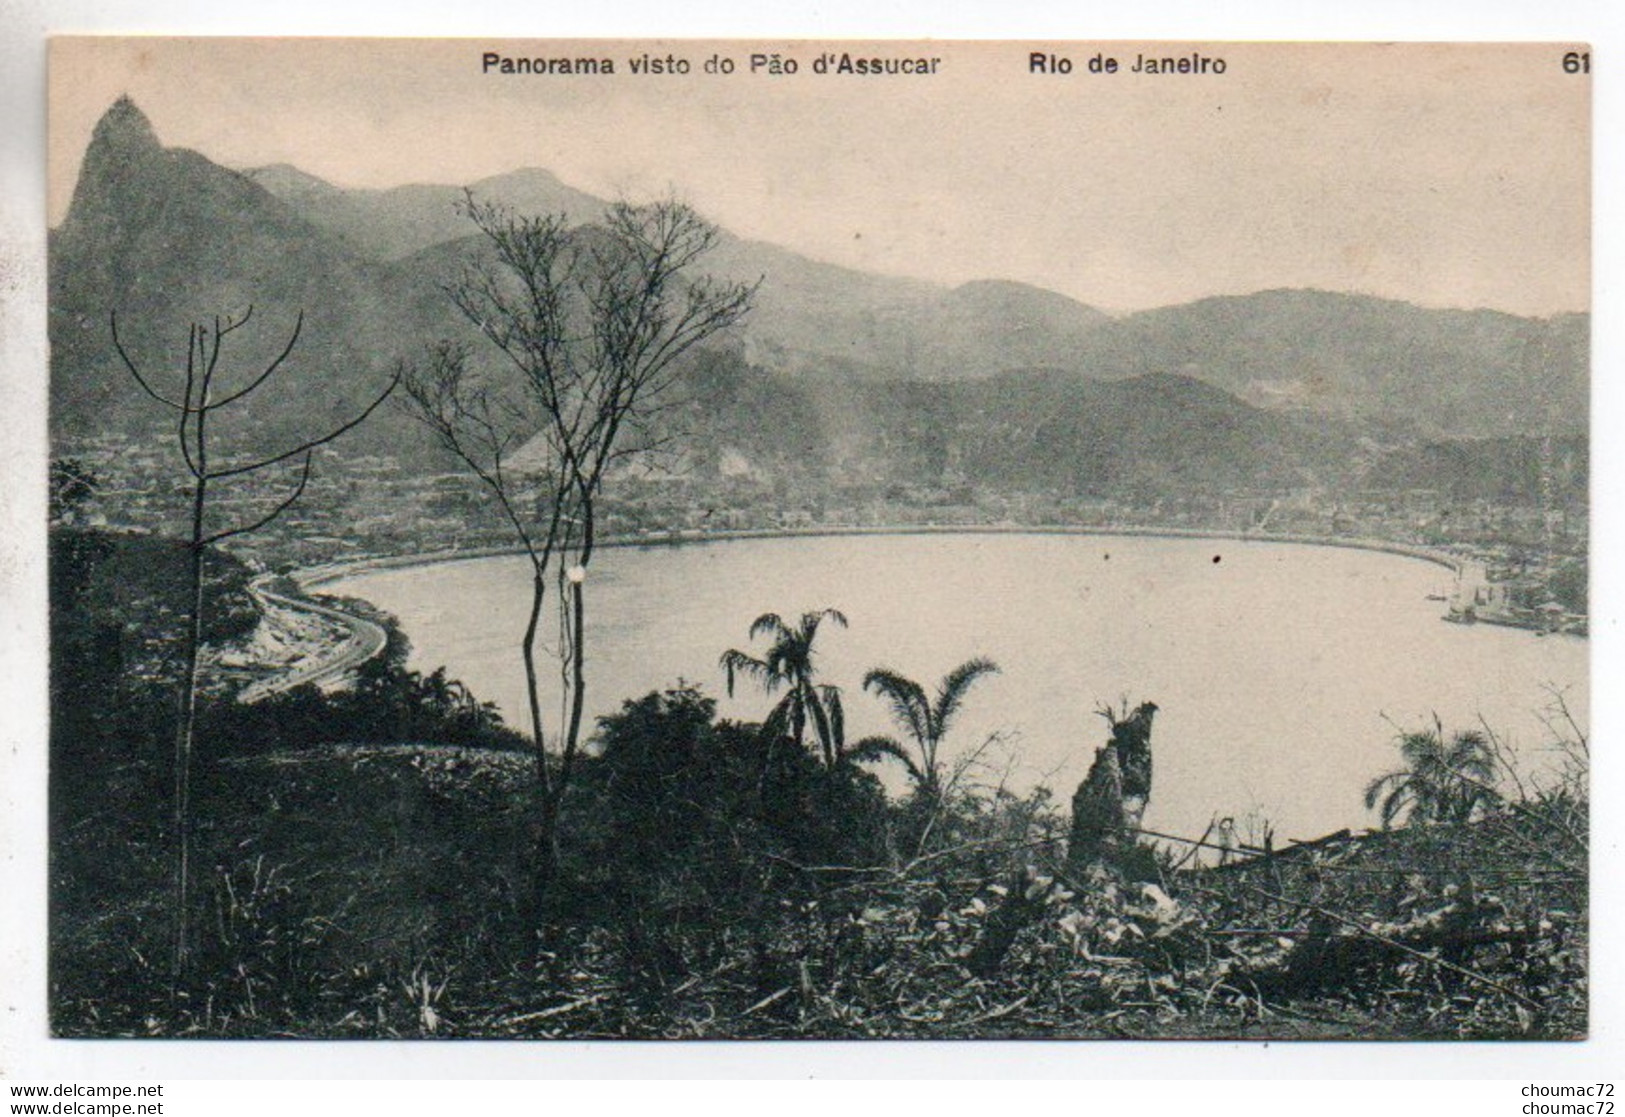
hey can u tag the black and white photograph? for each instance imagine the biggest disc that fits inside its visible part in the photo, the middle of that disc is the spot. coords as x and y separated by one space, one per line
797 540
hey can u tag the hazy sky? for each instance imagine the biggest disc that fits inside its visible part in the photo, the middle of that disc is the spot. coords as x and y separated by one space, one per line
1448 176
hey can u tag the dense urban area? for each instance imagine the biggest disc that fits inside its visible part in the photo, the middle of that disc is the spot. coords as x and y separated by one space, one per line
1518 564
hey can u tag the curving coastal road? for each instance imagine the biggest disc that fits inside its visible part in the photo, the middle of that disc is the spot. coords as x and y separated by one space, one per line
363 640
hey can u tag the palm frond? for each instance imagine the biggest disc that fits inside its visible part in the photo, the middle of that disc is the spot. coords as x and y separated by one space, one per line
830 696
1395 791
811 621
907 699
1374 790
736 663
951 694
1471 755
782 663
1396 802
1440 782
835 615
779 718
768 623
1420 749
879 748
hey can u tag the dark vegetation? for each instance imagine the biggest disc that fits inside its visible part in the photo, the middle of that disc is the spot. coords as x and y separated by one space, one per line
123 602
196 403
363 870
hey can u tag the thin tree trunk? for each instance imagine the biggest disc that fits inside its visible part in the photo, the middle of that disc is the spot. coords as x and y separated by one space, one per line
545 844
554 785
193 408
578 670
545 870
538 592
185 728
578 641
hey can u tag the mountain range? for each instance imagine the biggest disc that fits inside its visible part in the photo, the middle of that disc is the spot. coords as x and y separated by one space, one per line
836 371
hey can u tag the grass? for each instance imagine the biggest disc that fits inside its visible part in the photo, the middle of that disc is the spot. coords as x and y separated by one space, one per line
376 892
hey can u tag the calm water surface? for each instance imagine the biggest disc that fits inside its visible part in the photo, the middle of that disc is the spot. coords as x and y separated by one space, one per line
1280 669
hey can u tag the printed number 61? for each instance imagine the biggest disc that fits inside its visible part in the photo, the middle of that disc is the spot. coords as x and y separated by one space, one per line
1576 62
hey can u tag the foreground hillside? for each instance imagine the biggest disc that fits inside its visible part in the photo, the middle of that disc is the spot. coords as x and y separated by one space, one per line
371 892
715 885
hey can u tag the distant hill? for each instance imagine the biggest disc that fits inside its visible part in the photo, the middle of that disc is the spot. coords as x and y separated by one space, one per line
972 331
1503 471
838 373
809 317
1156 434
396 223
1460 373
1146 436
1451 373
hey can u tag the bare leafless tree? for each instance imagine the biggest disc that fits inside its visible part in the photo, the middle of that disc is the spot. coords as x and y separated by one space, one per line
588 325
194 405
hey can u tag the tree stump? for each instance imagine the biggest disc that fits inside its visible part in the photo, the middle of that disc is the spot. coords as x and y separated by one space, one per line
1111 800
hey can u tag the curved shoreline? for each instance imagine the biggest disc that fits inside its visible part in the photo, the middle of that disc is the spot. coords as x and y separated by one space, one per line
366 638
315 576
363 643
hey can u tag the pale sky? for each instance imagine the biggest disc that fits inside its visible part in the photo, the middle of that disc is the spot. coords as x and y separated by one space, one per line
1447 176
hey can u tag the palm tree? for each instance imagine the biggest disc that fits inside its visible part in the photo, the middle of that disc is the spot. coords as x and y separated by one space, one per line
789 663
925 720
1440 782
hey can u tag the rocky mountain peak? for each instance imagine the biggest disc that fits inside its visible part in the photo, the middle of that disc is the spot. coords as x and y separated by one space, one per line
122 148
124 125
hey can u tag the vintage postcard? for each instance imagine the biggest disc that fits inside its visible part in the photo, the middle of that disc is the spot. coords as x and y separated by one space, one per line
819 540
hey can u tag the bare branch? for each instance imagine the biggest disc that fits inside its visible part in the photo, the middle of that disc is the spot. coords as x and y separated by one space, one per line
287 503
235 323
192 412
130 365
458 415
314 443
293 340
